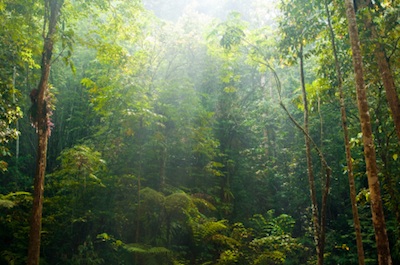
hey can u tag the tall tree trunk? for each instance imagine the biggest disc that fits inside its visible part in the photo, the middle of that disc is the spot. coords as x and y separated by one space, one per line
318 223
311 179
16 122
163 166
325 189
388 82
53 8
385 73
356 219
378 217
392 98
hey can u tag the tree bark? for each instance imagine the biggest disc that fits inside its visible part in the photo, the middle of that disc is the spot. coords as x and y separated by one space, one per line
388 83
350 172
386 74
53 7
378 218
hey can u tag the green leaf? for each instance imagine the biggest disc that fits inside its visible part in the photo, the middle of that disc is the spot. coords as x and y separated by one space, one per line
230 89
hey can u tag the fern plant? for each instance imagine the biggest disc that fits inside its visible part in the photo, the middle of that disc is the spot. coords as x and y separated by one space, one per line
145 253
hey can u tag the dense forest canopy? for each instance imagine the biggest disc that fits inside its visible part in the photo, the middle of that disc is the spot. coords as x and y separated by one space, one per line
199 132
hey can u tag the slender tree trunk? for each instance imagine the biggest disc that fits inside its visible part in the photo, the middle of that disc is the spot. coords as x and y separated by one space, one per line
386 74
350 172
324 187
265 142
16 122
318 223
311 179
388 83
139 212
163 166
139 207
378 217
53 7
328 173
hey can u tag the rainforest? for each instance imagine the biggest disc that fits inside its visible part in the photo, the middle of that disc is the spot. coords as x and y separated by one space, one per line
250 132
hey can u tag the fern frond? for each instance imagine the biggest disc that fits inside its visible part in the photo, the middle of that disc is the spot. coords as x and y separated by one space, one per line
273 257
6 204
213 227
158 250
134 249
203 204
146 250
10 200
15 194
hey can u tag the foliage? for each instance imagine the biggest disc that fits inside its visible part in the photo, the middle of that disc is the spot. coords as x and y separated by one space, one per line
171 144
14 217
80 164
86 255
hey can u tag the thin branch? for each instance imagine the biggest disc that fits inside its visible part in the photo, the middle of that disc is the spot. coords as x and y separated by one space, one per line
329 170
